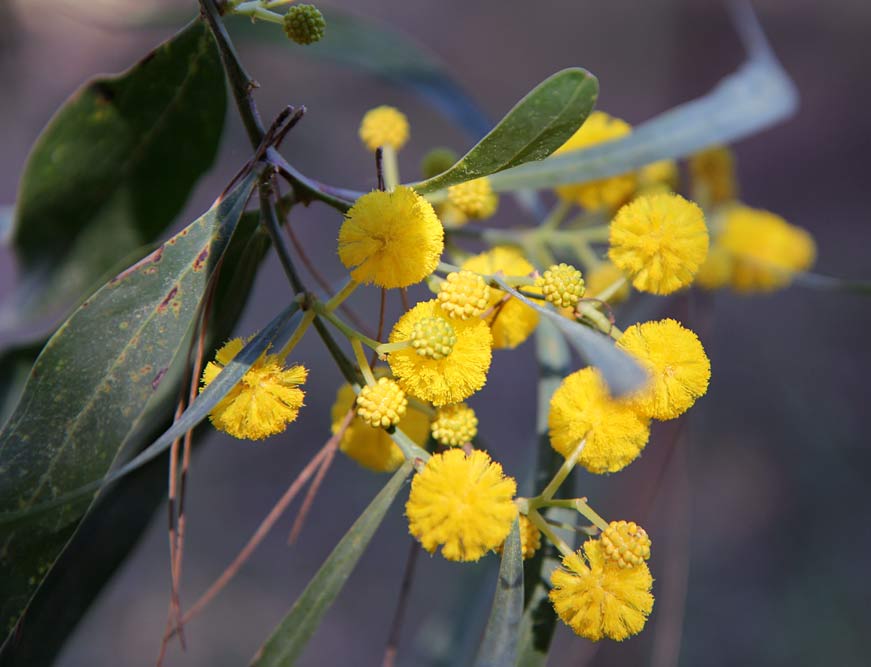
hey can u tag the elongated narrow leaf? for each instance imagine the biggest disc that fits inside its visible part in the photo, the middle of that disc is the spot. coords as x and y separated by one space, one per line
91 386
756 96
288 640
111 170
538 124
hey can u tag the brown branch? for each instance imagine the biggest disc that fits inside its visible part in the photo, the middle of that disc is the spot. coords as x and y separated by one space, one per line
401 605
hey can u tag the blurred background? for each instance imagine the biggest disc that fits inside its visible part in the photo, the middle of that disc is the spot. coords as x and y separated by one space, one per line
757 504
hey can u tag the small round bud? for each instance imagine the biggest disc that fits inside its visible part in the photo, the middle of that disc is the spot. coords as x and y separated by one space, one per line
475 198
433 337
304 24
464 294
437 161
625 543
455 425
384 126
562 285
382 404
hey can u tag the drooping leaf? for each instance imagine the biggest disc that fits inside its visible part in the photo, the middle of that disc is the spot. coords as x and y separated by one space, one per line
90 387
106 177
537 125
289 639
759 94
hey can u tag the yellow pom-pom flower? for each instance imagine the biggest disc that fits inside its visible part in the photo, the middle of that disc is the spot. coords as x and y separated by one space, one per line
625 543
263 402
601 278
464 294
766 251
676 362
596 598
511 320
474 198
530 539
392 239
454 425
372 448
712 174
463 504
580 408
384 126
660 241
562 285
607 193
717 269
449 378
658 177
381 405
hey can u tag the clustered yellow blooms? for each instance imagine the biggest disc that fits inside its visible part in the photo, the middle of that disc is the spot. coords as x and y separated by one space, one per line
455 425
384 126
475 199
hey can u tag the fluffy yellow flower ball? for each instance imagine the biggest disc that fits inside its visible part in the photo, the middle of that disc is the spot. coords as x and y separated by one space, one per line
450 378
581 407
608 193
392 239
384 126
463 504
263 402
596 598
677 364
660 241
511 321
475 199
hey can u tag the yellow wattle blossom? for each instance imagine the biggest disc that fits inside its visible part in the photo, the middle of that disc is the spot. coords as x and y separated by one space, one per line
716 270
562 285
766 251
384 126
530 539
463 504
677 364
450 378
381 405
581 407
625 543
601 278
712 174
660 241
464 294
263 402
475 198
608 193
658 177
392 239
511 320
370 447
454 425
596 598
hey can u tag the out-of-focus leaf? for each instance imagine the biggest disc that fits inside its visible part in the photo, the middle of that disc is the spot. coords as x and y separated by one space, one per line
759 94
537 125
15 364
287 642
111 170
499 645
91 386
821 282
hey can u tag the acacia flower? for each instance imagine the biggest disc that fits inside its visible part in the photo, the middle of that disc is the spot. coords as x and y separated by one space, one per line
581 408
677 365
392 239
510 320
384 126
475 198
530 538
463 504
601 278
454 425
263 402
562 285
381 405
660 241
464 294
446 360
625 543
712 174
596 598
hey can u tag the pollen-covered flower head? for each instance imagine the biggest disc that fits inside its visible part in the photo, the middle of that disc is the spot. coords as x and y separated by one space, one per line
475 198
530 539
454 425
562 285
607 193
676 363
463 504
660 241
384 126
625 543
392 239
263 402
597 598
382 404
370 447
580 408
510 320
425 371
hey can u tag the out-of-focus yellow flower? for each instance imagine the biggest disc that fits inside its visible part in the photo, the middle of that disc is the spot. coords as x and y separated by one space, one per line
601 278
658 177
716 270
454 425
530 539
712 176
475 198
384 126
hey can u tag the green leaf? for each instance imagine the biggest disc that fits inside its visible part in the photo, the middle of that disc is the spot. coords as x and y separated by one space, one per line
537 125
499 645
759 94
112 169
90 388
287 642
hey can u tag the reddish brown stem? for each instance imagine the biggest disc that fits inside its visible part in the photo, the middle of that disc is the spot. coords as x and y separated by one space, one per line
401 605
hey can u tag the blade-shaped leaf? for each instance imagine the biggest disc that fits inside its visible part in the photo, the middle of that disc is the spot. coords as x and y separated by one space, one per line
756 96
537 125
91 386
104 177
288 640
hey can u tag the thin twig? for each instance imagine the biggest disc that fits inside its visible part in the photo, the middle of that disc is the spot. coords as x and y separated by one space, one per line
403 292
382 308
401 605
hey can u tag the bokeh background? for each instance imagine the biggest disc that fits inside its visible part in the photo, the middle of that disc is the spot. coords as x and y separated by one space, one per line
757 505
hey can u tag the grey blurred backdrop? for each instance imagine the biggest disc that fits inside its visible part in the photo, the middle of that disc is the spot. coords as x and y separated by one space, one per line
758 509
